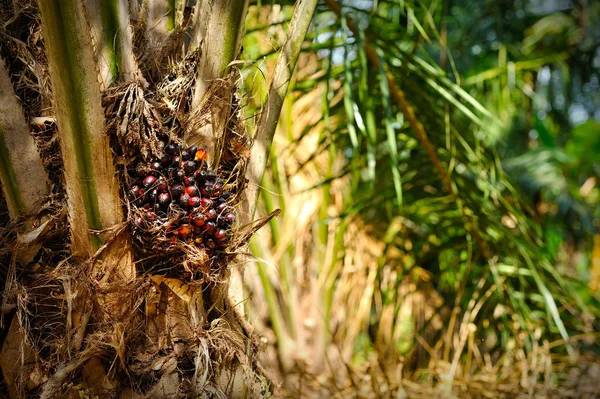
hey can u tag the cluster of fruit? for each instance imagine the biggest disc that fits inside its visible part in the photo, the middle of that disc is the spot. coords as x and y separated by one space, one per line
180 193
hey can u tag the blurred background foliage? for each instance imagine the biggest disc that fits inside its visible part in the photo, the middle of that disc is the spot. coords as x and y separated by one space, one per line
437 166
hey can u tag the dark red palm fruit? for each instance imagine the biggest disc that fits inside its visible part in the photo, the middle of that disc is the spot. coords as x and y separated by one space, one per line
225 195
156 167
150 216
177 190
200 176
210 226
179 147
199 219
194 202
149 181
229 217
156 207
211 175
189 180
165 160
210 213
201 154
185 230
189 167
210 243
161 185
207 190
220 235
192 191
152 195
209 253
184 201
175 161
217 188
192 150
179 175
221 207
206 203
185 156
134 191
164 199
171 149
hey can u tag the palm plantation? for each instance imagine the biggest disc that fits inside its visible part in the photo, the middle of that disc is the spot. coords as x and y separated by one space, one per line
400 248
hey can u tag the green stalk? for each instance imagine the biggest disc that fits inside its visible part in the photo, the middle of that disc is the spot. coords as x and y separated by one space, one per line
92 187
109 20
303 12
24 180
223 28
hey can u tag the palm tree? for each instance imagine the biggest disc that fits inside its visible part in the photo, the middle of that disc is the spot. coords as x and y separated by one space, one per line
96 304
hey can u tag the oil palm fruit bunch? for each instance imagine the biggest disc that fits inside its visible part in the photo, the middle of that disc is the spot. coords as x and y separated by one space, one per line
186 200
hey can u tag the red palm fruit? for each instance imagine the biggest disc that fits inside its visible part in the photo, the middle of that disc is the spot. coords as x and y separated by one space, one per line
138 221
185 230
220 235
150 216
135 191
192 191
189 167
149 181
189 180
161 185
199 219
221 207
229 217
177 189
164 199
184 201
201 155
210 213
194 202
207 190
206 203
